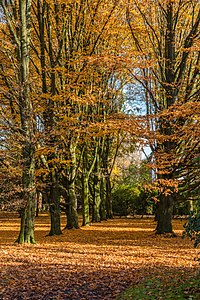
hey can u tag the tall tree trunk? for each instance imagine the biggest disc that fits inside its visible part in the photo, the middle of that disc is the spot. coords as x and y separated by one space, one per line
166 203
49 121
26 234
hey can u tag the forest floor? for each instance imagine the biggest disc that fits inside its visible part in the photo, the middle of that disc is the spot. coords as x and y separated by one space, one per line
95 262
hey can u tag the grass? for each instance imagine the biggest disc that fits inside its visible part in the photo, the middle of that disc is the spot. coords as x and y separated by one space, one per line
157 289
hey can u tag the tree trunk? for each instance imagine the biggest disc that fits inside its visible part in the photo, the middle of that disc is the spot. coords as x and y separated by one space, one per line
86 171
68 182
97 194
54 210
165 214
38 202
72 215
85 199
26 234
97 202
107 169
108 199
103 201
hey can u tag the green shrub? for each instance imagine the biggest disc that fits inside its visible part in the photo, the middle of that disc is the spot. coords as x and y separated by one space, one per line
128 199
192 228
181 208
124 199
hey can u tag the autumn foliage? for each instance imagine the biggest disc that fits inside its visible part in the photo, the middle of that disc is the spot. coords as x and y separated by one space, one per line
68 70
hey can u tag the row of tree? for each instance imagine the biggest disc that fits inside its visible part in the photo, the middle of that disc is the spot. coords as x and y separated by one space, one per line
65 72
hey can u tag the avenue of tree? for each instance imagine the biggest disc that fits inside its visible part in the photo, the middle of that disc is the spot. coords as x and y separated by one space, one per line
65 72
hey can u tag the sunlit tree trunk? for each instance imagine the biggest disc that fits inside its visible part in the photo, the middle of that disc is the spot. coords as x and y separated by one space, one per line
26 234
85 192
72 215
97 194
38 202
85 200
109 198
103 200
107 182
97 203
88 163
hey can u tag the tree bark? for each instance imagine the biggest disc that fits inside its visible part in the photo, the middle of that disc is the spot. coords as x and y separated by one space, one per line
54 209
165 214
72 215
108 199
85 200
97 194
103 201
26 234
86 171
96 203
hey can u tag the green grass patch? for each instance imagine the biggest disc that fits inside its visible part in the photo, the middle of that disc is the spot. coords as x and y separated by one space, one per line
159 289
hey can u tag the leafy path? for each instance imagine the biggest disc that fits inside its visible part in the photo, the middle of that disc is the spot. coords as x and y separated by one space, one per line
96 262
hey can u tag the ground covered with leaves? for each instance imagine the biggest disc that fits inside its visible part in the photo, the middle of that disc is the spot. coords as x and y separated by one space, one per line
95 262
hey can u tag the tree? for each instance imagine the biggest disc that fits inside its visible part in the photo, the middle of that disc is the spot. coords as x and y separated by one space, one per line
169 76
14 14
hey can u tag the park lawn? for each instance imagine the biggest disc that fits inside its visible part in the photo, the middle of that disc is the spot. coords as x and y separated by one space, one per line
97 262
